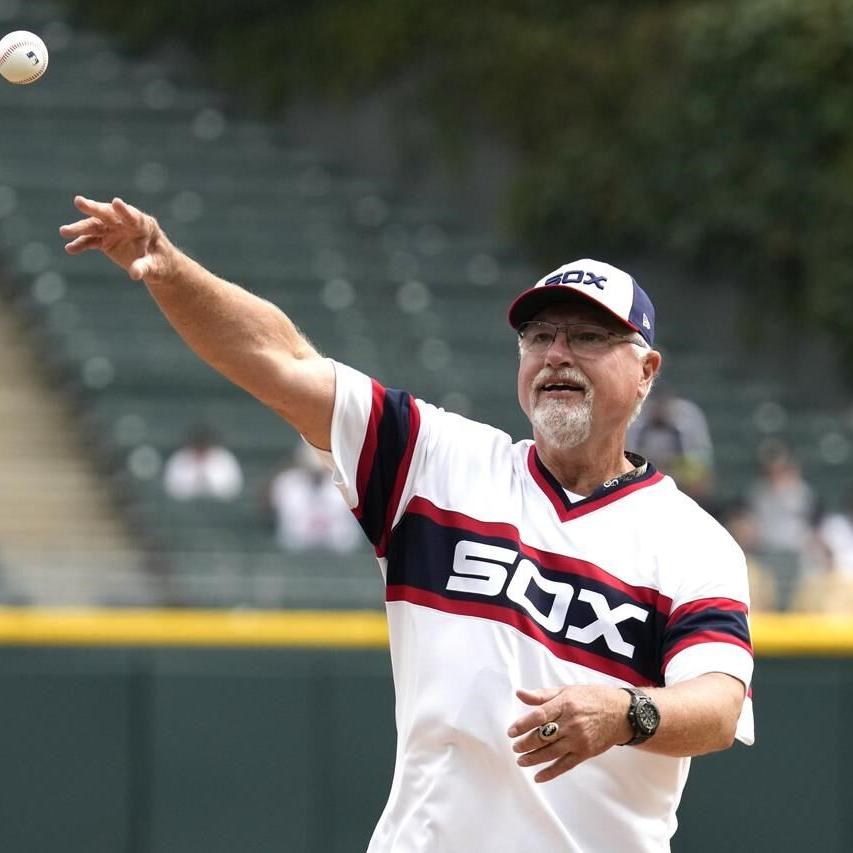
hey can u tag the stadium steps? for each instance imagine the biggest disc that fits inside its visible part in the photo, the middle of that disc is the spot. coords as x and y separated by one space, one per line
53 505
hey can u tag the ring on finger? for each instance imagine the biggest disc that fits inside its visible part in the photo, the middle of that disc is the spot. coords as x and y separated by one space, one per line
549 731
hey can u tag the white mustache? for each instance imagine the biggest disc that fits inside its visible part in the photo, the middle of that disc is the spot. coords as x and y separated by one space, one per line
567 376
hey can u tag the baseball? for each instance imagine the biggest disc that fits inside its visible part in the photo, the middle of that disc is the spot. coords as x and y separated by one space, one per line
23 57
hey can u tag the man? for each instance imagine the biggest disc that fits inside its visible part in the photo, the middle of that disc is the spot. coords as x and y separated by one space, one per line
558 612
202 468
308 510
672 432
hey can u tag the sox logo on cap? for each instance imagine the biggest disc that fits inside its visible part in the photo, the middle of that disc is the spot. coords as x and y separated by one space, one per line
594 281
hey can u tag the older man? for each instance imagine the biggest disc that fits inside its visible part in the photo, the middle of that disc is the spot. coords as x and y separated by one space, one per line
558 611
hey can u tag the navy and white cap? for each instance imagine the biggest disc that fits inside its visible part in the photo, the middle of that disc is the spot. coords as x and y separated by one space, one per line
601 284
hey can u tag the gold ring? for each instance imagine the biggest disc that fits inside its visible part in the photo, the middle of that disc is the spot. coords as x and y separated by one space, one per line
549 731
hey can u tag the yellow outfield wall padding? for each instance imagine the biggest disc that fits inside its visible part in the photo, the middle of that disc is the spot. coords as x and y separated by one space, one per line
102 627
773 634
782 634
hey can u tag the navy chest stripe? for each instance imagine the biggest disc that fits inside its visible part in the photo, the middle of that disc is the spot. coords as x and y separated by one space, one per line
574 608
642 595
497 613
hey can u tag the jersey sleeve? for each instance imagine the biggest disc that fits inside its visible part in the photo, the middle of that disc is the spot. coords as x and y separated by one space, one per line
707 629
375 431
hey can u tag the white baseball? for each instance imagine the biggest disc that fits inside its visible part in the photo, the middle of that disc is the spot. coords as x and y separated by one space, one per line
23 57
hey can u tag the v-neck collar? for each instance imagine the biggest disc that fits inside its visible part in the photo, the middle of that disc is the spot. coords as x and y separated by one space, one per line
606 493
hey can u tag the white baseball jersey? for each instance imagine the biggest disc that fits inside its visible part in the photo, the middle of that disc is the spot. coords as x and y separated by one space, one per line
495 580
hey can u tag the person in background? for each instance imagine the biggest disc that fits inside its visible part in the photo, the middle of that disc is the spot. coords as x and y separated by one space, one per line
673 433
785 508
202 468
830 588
836 535
308 508
741 524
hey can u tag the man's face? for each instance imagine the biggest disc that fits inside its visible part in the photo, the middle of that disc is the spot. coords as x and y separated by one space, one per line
602 392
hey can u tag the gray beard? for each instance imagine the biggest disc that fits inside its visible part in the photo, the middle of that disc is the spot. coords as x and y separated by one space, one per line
562 425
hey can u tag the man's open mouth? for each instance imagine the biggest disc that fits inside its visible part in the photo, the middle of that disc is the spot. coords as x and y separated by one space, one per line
562 386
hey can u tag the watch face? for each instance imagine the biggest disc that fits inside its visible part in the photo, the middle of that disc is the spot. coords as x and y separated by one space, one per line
647 716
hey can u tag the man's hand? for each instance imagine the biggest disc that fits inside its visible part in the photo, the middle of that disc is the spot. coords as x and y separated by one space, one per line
591 719
127 236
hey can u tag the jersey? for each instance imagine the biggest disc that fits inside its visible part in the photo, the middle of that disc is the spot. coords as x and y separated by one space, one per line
495 579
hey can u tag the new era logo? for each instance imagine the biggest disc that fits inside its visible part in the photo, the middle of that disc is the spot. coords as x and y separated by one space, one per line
646 323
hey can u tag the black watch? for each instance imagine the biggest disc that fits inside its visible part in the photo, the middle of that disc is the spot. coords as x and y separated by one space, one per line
643 715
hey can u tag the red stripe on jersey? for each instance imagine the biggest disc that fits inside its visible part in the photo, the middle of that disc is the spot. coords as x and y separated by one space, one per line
703 637
402 474
706 604
547 559
368 449
586 506
522 623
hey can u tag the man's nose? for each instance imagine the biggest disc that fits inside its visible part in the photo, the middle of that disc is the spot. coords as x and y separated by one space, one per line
560 352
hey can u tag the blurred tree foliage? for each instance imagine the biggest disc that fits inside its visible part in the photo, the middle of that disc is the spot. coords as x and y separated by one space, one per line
717 133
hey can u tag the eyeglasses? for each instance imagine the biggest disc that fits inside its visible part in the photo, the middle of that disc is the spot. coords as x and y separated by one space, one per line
584 340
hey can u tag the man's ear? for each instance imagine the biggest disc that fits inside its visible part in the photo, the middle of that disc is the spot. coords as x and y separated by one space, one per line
651 367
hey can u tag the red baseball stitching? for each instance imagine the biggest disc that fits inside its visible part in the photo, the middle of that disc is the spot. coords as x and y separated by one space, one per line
11 50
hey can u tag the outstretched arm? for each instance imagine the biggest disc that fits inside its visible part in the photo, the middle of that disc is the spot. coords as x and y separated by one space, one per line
247 339
696 716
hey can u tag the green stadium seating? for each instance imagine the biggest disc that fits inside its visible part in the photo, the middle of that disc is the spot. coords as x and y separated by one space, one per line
422 304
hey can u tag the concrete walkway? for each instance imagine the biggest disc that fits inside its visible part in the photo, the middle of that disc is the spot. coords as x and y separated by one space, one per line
61 541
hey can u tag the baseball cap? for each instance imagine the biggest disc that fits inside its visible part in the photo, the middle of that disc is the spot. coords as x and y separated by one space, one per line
594 281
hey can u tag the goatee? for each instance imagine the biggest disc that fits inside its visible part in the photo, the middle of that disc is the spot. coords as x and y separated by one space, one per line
561 422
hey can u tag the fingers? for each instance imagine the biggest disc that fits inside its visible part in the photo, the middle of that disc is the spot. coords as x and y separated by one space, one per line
82 227
560 766
118 212
140 268
539 715
529 721
546 752
557 752
128 214
531 741
537 697
81 244
97 209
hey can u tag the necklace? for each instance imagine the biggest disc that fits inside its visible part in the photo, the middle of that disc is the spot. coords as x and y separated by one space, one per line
640 467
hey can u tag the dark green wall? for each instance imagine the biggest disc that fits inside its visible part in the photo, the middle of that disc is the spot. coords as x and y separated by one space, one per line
186 750
793 790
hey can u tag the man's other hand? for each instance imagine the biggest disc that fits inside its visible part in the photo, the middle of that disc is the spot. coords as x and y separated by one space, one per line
591 719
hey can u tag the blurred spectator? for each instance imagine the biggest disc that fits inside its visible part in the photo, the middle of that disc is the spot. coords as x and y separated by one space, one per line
836 536
825 592
310 512
830 590
741 524
785 509
202 468
673 434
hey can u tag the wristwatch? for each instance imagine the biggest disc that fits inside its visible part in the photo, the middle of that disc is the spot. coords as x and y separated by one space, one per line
643 715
